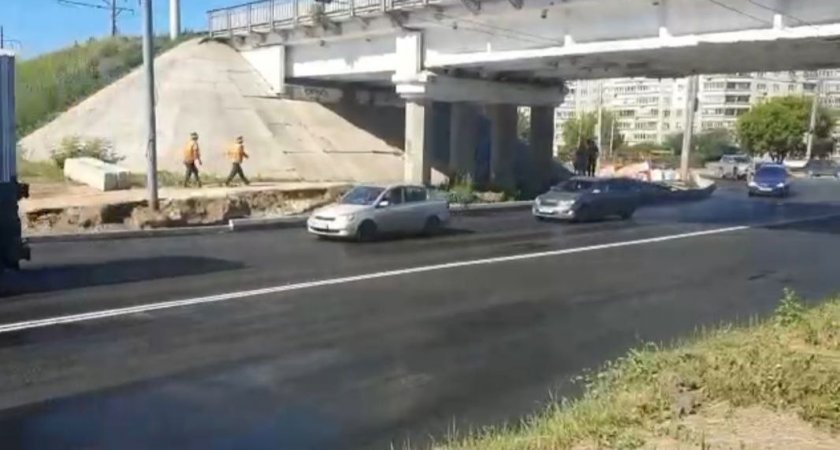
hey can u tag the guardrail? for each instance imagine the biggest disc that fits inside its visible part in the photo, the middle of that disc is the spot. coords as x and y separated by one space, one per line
270 15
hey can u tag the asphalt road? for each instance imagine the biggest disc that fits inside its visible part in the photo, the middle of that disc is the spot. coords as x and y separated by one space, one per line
359 346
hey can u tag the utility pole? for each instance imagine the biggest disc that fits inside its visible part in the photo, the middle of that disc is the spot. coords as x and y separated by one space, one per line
149 64
600 113
688 129
113 18
813 124
5 41
612 136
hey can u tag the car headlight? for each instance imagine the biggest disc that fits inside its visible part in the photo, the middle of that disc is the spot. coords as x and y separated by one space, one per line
780 185
347 217
752 184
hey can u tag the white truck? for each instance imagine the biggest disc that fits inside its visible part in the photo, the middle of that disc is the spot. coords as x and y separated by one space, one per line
736 167
13 247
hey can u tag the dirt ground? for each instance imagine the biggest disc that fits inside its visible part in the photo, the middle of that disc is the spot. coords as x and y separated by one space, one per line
722 427
68 207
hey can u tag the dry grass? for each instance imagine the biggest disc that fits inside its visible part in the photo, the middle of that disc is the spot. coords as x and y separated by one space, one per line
787 365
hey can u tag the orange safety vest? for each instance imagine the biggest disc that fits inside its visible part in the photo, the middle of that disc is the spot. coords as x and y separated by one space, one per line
237 153
192 152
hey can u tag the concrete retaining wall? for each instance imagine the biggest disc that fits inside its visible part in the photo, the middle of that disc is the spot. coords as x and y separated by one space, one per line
97 174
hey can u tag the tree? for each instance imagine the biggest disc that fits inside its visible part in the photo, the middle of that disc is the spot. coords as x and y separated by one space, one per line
580 127
709 145
778 127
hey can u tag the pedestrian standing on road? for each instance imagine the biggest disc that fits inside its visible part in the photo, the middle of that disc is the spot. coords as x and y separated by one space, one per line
580 161
192 155
592 154
237 154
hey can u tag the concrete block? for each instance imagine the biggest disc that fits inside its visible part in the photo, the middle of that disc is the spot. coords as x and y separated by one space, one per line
97 174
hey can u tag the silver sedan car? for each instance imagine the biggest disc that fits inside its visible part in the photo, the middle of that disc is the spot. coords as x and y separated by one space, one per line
588 198
368 211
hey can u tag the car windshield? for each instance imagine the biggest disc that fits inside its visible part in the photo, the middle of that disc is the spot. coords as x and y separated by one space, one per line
361 195
770 172
739 159
574 186
820 163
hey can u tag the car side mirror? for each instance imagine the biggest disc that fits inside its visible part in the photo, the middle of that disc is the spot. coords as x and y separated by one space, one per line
383 204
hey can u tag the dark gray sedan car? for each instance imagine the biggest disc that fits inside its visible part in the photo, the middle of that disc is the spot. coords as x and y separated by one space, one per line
587 198
822 168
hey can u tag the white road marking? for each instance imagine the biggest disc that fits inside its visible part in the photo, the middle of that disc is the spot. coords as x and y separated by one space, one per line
104 314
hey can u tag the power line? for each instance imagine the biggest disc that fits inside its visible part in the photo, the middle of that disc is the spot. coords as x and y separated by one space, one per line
738 11
777 11
108 5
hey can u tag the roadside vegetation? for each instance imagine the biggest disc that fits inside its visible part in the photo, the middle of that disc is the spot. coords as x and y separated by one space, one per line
788 365
52 83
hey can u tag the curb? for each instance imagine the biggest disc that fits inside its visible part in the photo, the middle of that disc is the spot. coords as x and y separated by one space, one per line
265 223
236 225
127 234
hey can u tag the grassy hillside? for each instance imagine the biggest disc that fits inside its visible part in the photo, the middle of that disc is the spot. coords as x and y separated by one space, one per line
54 82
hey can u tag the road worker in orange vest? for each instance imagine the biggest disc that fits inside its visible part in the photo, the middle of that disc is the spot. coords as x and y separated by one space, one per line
237 154
192 155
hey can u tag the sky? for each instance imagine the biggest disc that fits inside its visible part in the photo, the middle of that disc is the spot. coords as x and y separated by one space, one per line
45 25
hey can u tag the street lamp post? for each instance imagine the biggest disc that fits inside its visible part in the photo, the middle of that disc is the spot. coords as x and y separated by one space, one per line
149 65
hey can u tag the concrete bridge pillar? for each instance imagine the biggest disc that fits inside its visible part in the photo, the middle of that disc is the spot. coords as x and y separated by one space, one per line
174 19
503 118
541 142
417 156
463 139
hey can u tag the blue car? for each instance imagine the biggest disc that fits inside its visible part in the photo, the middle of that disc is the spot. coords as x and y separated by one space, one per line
769 179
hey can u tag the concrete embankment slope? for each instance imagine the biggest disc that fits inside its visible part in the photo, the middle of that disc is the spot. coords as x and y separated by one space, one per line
211 89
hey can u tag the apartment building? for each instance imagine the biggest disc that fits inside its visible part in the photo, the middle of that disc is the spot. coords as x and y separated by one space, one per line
649 110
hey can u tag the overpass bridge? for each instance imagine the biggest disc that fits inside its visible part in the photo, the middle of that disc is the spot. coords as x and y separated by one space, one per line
490 56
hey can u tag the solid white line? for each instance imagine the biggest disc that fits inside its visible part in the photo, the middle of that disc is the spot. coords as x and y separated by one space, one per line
74 318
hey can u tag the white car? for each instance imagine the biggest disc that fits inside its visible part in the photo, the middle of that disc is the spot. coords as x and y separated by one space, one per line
367 211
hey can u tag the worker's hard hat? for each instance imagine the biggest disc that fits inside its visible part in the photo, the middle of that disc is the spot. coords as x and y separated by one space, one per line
194 135
239 139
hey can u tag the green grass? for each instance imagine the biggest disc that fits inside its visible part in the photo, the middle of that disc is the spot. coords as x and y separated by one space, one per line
790 362
39 171
52 83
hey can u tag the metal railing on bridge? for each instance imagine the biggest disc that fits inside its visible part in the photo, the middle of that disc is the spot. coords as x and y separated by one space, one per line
268 15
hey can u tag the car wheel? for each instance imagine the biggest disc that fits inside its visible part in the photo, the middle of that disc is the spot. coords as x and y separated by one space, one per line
582 214
750 194
432 226
626 215
540 218
366 231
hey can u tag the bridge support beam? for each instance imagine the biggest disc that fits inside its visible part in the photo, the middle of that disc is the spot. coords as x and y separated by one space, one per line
443 88
463 139
541 143
503 120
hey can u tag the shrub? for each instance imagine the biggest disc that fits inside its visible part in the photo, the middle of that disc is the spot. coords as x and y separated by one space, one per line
77 147
461 190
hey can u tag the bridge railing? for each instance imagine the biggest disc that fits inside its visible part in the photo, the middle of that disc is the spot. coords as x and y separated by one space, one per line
269 15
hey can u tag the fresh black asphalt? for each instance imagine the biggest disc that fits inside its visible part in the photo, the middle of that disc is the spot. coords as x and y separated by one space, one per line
366 363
